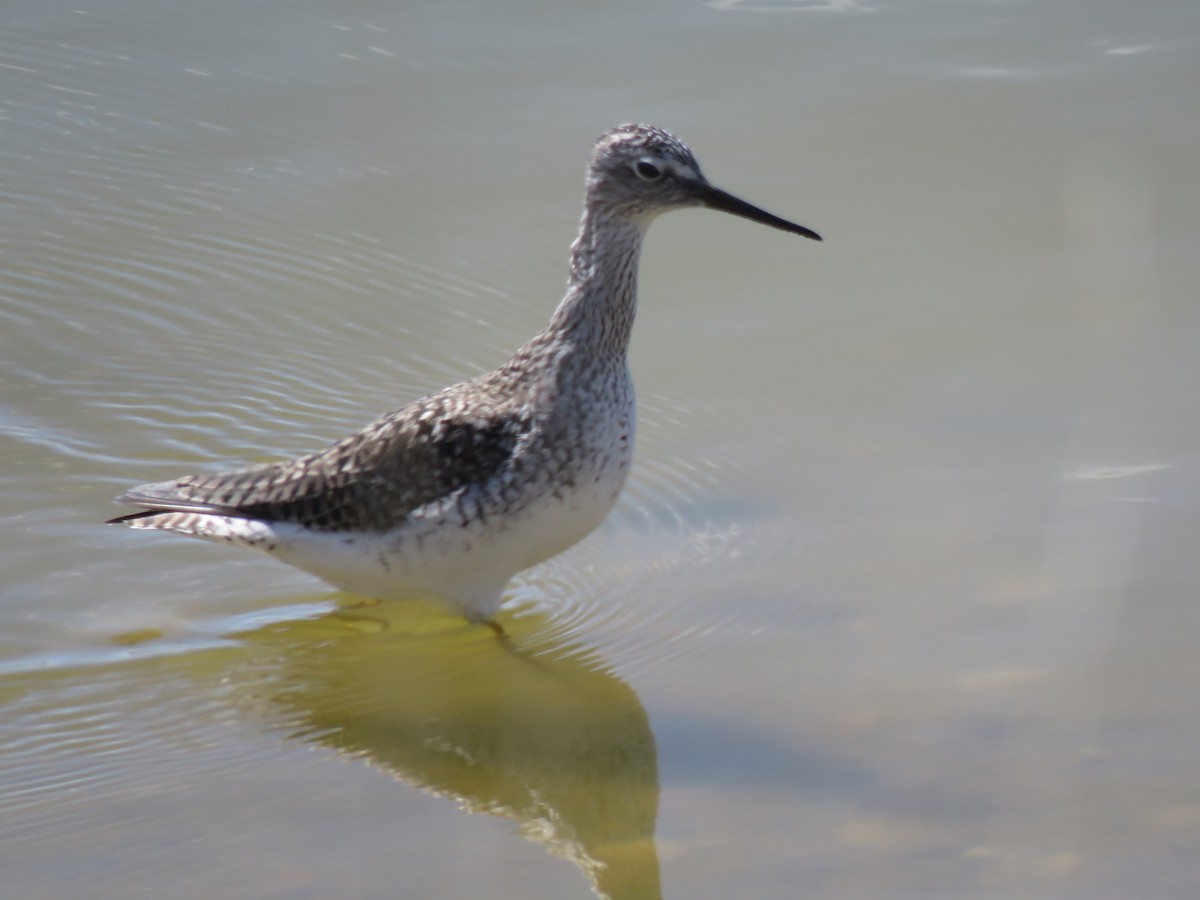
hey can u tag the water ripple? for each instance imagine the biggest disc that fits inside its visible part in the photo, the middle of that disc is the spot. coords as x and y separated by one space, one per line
662 579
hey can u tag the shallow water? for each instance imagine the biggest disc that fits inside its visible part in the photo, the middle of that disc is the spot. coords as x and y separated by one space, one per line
900 599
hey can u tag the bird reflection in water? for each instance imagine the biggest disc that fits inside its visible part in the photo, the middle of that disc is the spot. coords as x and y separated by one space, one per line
529 727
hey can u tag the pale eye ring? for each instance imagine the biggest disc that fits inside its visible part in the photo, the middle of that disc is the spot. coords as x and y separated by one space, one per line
647 171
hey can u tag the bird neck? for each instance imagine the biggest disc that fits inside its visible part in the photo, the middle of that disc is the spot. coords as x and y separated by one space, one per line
601 300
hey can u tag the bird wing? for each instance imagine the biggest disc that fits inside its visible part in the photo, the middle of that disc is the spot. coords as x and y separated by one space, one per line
370 481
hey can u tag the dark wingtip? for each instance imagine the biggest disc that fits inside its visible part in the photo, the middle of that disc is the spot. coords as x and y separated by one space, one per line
129 517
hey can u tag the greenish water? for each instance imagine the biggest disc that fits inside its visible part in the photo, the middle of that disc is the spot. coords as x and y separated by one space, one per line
900 600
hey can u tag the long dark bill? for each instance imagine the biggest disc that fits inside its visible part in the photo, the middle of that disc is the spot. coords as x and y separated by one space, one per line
715 198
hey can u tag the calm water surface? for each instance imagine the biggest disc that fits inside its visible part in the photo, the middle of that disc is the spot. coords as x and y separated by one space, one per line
901 598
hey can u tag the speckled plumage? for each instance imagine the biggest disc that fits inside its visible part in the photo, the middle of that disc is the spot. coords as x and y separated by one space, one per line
447 498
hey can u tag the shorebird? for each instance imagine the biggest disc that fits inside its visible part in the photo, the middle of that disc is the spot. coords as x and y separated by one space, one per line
447 498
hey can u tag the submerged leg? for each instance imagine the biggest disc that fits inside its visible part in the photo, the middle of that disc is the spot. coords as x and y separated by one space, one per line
496 627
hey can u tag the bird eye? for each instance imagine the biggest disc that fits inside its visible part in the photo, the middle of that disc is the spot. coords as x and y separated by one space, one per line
647 171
